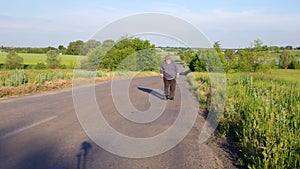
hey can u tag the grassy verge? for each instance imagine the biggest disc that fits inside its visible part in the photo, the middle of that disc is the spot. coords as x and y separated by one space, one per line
261 115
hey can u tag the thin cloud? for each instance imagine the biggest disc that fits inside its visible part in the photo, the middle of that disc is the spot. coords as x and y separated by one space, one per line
244 20
233 28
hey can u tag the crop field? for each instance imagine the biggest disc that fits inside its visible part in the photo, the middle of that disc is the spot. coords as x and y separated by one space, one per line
32 58
261 116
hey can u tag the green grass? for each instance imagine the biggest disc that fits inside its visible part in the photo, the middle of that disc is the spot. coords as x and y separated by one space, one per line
32 58
290 75
296 53
262 116
275 55
33 76
279 74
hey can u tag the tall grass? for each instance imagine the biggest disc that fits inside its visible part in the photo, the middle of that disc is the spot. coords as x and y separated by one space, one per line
15 78
263 116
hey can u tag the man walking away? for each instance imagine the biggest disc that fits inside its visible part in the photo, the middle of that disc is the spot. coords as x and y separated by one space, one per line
169 72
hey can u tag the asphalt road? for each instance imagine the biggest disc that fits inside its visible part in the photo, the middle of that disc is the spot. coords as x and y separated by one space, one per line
43 132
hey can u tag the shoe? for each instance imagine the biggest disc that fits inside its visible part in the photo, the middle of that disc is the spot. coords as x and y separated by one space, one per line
171 98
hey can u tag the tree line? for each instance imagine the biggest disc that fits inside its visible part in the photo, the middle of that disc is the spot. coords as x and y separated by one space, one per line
142 54
130 54
253 59
77 47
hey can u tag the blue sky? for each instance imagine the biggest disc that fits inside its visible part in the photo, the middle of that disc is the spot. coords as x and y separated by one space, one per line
234 23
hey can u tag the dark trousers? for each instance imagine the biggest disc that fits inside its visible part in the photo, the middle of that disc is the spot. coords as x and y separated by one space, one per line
169 87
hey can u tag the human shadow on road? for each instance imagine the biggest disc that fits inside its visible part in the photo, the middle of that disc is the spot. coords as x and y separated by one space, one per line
152 92
82 156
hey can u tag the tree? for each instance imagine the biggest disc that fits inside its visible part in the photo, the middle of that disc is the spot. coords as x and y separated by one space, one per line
230 59
94 58
295 64
147 59
196 64
53 61
285 59
274 48
62 49
13 60
247 61
264 48
229 54
187 55
142 44
108 43
75 48
89 45
206 60
217 47
258 44
113 56
288 47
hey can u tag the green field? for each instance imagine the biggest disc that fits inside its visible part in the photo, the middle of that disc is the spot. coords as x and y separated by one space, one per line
32 58
276 55
292 75
289 75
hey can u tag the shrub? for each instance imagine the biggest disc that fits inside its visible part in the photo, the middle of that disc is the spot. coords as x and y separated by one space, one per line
14 78
63 66
48 76
86 74
53 59
40 66
13 60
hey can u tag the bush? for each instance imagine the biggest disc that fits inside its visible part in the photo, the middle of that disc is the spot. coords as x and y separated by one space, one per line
13 60
63 66
2 81
294 65
14 78
53 59
40 66
86 74
48 76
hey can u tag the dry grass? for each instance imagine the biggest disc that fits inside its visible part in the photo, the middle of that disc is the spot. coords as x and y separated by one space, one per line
36 87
